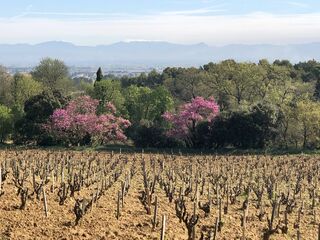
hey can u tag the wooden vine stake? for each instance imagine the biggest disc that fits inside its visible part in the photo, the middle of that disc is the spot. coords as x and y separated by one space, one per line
122 193
154 222
194 217
52 189
45 201
220 216
118 204
298 234
163 228
216 229
244 222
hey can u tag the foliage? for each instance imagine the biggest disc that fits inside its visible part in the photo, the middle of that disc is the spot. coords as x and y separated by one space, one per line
307 123
6 122
37 111
309 71
254 129
145 105
23 88
152 137
52 73
185 84
213 134
5 87
184 122
78 122
290 90
151 80
108 91
317 90
86 87
219 134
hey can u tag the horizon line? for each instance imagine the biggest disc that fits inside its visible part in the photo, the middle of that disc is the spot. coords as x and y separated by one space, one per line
157 41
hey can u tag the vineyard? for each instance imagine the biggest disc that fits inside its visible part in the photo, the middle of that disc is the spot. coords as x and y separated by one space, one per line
111 195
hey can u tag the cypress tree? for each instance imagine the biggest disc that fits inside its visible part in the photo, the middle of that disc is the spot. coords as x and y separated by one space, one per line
99 75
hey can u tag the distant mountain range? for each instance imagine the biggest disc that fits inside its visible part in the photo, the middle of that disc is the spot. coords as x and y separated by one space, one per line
152 54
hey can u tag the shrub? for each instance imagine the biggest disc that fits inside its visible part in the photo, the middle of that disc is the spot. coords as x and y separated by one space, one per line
36 112
152 137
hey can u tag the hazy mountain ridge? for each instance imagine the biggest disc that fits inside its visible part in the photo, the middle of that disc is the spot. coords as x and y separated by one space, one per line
151 53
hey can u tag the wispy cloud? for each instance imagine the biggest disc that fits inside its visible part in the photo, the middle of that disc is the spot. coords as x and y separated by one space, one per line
200 11
57 15
106 15
299 4
65 13
258 27
23 14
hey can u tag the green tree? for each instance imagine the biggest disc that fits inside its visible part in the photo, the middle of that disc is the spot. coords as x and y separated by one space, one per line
255 128
309 71
52 73
109 91
136 99
145 105
272 78
23 88
86 87
154 79
5 87
285 63
6 123
235 82
37 110
161 101
186 84
140 80
317 91
285 97
66 86
307 126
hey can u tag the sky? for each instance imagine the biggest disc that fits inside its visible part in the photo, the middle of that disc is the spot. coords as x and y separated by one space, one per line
214 22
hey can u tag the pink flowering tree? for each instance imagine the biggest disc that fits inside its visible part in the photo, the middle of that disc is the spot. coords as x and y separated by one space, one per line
184 122
78 123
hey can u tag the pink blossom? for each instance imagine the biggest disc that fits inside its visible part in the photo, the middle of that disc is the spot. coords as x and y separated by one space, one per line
79 119
110 107
190 114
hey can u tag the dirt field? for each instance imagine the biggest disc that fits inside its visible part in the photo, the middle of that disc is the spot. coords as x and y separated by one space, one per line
289 186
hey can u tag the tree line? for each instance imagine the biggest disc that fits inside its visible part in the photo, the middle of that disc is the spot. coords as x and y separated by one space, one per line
261 104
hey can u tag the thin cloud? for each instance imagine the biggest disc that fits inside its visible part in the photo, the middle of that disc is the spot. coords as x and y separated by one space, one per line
65 13
254 28
299 4
195 11
23 14
71 14
99 15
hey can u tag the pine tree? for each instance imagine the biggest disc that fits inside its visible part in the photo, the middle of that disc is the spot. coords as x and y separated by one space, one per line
99 75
